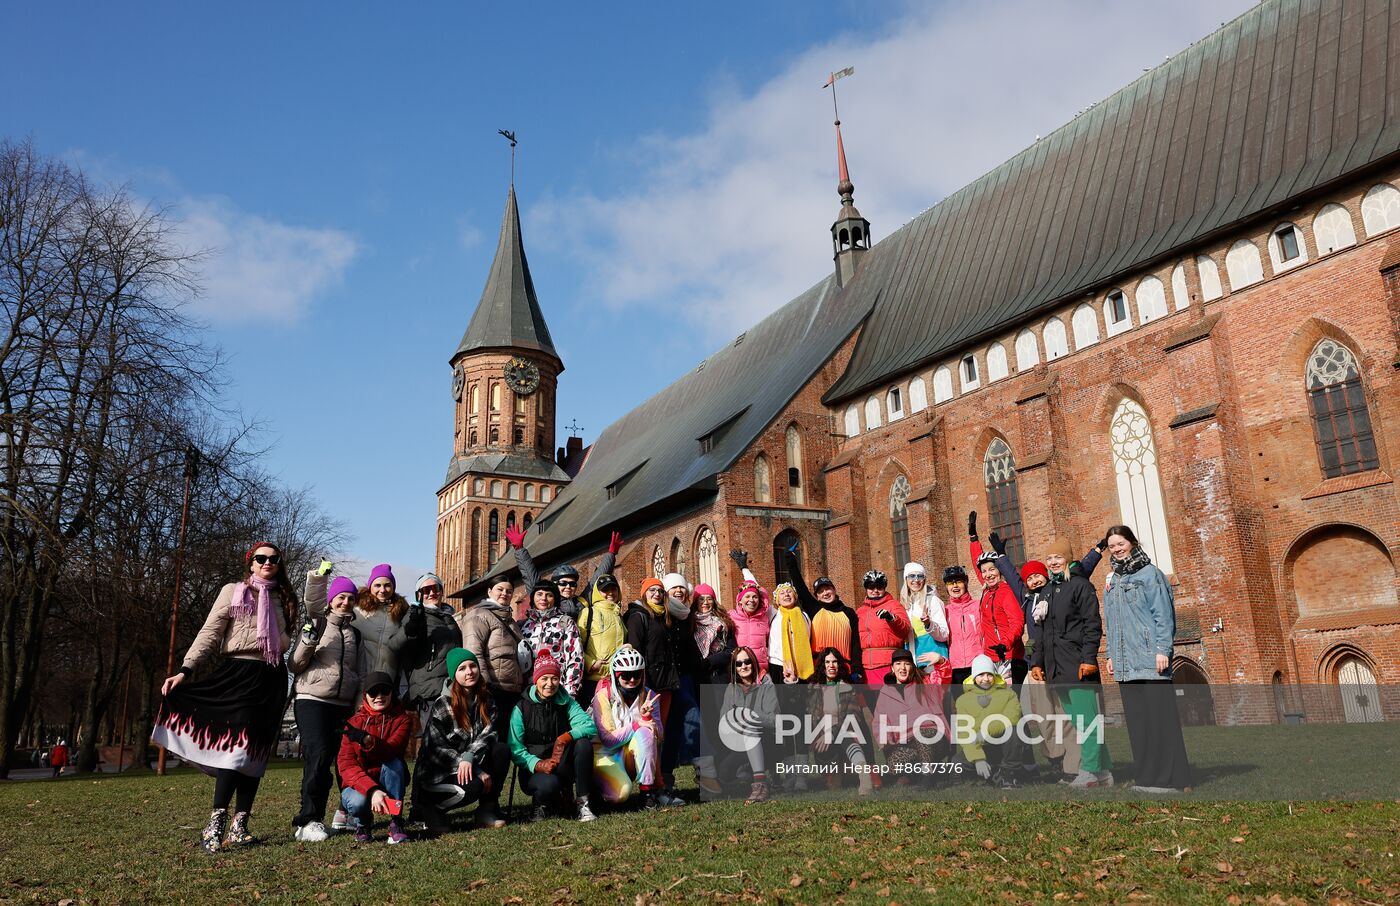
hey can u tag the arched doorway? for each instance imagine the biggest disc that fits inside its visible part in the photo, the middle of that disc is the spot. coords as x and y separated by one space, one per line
1194 701
1360 699
787 540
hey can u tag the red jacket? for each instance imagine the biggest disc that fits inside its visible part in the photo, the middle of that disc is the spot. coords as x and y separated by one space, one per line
1003 621
878 638
388 731
58 758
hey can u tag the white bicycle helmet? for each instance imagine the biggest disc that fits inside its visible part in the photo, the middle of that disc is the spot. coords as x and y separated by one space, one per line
626 660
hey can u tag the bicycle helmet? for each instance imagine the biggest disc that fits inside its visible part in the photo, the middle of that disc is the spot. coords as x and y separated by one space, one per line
626 660
875 579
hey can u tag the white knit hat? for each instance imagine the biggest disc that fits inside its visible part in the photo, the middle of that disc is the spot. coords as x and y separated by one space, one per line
912 568
671 580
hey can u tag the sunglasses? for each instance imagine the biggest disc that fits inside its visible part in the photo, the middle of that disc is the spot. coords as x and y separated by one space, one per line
743 663
563 582
260 559
380 692
630 675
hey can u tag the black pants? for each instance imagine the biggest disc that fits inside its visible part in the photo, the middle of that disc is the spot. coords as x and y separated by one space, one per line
319 724
435 795
505 707
575 765
1154 730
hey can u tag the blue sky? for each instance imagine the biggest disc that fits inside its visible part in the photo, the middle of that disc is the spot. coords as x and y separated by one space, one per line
676 177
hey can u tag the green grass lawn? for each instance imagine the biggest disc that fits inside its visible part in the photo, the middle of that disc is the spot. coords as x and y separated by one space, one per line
133 839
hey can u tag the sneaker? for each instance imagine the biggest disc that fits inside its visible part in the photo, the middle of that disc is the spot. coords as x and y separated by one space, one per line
341 822
396 832
650 802
710 789
363 833
585 814
1159 790
311 832
669 799
1105 778
212 837
539 813
758 792
1086 780
238 834
865 785
486 816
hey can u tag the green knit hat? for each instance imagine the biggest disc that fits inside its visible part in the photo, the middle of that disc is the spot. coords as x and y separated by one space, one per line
455 658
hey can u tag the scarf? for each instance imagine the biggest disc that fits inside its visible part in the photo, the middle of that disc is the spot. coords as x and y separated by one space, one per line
797 645
831 629
1131 563
657 610
246 604
707 629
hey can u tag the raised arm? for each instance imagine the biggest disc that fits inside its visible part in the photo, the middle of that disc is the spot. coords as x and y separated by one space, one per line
515 537
805 599
1005 567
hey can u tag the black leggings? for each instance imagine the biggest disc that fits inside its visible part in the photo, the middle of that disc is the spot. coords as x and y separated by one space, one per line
575 766
228 782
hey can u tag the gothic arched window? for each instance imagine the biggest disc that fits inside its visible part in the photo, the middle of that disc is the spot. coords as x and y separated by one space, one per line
1139 484
899 520
658 562
762 480
1003 498
796 495
1380 209
707 558
1346 442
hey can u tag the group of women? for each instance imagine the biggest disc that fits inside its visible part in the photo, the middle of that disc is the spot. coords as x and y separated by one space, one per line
596 701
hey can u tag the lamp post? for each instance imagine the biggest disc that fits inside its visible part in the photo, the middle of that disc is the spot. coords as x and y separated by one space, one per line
191 472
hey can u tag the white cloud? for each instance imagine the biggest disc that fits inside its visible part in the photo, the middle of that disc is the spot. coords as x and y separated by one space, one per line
259 267
721 226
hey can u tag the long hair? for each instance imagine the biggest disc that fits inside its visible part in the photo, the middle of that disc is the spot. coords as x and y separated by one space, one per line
719 613
733 673
369 604
1125 532
285 591
465 700
843 669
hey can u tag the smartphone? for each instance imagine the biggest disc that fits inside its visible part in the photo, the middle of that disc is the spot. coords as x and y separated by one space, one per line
393 806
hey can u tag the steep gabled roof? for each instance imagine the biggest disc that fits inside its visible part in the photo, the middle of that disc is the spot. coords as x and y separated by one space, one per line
651 457
508 315
1287 98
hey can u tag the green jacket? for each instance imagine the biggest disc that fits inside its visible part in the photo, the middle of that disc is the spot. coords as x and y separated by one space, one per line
979 705
580 725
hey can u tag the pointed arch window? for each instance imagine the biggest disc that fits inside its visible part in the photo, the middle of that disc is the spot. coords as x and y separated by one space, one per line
471 438
1151 300
1086 326
707 558
527 522
1056 343
1243 265
1181 297
1003 498
1380 209
475 553
762 480
796 496
493 537
1139 484
1210 278
996 362
677 556
852 419
475 398
784 541
495 435
894 403
942 385
918 395
658 562
1027 352
872 413
1287 247
971 377
1332 229
899 519
495 397
1346 442
496 488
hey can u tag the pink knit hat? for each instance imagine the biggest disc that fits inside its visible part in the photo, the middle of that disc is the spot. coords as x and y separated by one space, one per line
704 589
762 593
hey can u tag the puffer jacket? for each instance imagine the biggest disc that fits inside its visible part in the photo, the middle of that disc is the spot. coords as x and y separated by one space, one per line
907 712
232 636
327 661
384 640
388 730
431 632
556 630
648 633
446 745
1140 623
978 707
878 638
751 631
489 632
601 630
964 631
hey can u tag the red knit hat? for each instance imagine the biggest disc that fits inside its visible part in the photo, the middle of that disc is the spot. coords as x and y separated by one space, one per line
1034 568
545 665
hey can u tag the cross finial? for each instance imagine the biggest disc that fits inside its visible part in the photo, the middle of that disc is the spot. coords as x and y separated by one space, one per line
573 428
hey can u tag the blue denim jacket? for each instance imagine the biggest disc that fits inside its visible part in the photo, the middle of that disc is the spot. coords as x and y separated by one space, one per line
1139 623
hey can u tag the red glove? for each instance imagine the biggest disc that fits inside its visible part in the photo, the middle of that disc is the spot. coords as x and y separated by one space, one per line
614 544
515 536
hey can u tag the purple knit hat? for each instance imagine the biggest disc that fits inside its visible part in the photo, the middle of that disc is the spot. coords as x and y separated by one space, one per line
340 585
382 571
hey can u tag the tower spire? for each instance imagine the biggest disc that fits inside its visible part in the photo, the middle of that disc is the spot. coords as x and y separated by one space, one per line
850 234
509 136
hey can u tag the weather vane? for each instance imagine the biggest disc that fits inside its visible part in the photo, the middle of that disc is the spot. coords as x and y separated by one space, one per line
510 137
831 83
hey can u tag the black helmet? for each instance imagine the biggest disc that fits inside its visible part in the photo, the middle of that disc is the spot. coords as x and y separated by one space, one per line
875 579
823 582
954 573
563 572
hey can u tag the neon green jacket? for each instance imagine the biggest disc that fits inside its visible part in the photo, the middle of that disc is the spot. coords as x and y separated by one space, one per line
999 700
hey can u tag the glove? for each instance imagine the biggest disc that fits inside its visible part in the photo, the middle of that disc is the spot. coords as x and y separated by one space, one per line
884 614
1038 674
1088 670
326 568
355 734
998 543
515 536
972 525
740 557
1000 652
984 770
615 543
308 633
546 766
1039 609
560 745
795 545
1102 545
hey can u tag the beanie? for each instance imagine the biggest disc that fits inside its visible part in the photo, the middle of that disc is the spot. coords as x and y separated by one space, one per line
455 657
1034 568
671 580
1059 546
649 582
427 580
545 665
982 664
340 585
382 571
913 569
705 589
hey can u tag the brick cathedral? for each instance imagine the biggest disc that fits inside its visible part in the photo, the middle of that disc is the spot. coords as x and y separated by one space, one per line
1179 311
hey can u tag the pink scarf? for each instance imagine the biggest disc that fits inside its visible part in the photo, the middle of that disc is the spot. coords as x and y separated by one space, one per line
244 602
